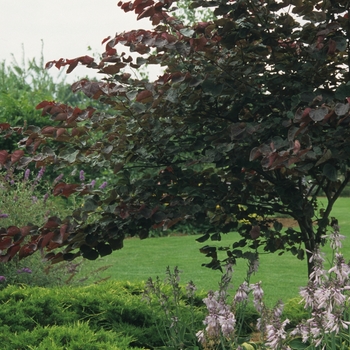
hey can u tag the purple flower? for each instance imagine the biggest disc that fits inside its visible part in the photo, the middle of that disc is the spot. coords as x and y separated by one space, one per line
40 173
4 216
2 278
242 293
335 238
104 185
46 197
58 178
278 309
258 294
191 289
92 183
26 174
276 334
81 175
24 270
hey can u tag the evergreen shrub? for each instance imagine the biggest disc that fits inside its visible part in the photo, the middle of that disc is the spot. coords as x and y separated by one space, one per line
37 315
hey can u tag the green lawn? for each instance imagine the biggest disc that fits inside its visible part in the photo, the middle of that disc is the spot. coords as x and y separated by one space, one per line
281 275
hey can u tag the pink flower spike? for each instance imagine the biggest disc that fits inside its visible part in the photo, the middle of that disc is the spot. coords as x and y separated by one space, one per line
81 175
103 186
26 174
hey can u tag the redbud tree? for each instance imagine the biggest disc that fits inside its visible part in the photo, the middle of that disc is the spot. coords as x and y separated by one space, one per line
248 122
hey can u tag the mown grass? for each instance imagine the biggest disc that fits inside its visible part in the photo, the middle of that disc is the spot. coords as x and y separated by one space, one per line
281 276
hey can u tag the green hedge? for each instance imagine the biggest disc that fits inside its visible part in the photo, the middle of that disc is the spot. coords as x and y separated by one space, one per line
77 336
109 311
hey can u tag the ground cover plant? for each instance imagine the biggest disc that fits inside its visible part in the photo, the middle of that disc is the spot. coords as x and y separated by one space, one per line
107 316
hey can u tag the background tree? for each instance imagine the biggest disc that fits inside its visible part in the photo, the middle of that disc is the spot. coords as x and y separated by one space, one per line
23 85
189 14
249 121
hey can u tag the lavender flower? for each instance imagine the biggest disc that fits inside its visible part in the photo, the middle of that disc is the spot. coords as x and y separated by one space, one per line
46 197
3 216
326 297
276 334
307 293
340 269
227 323
92 183
26 174
24 270
2 278
191 289
318 274
220 319
104 185
58 178
278 309
81 176
242 293
336 238
258 295
40 173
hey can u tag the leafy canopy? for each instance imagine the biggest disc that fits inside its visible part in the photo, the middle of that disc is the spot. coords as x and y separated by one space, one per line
248 122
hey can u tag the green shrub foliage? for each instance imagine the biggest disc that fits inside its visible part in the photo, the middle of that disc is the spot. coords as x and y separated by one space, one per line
71 336
107 311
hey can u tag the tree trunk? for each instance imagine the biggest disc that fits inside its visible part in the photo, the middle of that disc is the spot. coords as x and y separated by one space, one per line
310 264
310 240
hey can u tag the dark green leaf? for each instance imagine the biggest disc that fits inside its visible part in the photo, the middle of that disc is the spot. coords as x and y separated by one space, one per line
90 205
294 250
330 172
216 237
298 344
91 255
277 226
203 238
212 87
301 254
104 249
342 92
